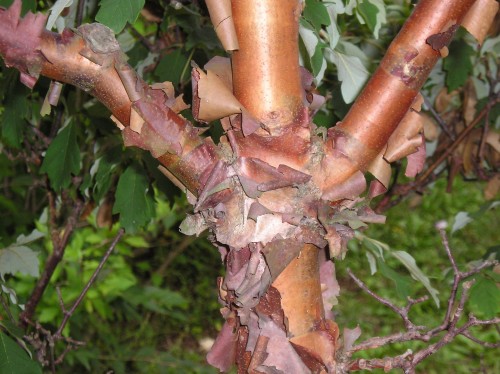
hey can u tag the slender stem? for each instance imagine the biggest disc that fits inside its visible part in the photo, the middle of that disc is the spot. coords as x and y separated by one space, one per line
50 266
69 313
437 117
453 146
79 12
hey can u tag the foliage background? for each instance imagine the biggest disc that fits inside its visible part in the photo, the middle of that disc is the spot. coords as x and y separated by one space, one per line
156 301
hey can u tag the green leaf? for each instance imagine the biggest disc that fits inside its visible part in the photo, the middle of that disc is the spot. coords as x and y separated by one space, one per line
14 116
172 66
316 13
62 158
14 360
105 166
369 13
155 299
403 283
116 13
485 295
373 13
351 72
409 262
27 5
462 219
18 258
133 202
314 49
458 65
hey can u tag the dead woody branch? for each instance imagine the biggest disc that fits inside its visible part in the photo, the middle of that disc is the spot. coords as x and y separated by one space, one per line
449 329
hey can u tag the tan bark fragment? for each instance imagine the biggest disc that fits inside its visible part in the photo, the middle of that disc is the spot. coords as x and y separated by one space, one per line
480 17
222 19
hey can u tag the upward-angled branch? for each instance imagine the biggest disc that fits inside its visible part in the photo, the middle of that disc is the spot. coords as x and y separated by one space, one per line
392 89
90 58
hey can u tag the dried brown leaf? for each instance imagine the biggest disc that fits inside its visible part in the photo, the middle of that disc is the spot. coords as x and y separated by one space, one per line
492 188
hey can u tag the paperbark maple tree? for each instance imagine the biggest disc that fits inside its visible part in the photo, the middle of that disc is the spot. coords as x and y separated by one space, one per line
278 196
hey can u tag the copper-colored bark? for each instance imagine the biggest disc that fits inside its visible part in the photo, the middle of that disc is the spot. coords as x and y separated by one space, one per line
65 64
300 289
99 68
395 84
266 75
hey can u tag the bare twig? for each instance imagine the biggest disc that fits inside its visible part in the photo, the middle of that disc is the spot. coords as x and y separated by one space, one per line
454 313
457 141
437 117
468 335
44 340
51 264
79 13
69 313
403 312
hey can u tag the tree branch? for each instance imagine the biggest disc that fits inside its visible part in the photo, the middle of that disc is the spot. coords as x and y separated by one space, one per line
90 59
403 70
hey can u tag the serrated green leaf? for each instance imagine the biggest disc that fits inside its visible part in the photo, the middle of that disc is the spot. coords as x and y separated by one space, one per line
351 72
14 117
132 200
116 13
315 12
458 64
103 176
62 158
485 295
14 360
172 66
18 259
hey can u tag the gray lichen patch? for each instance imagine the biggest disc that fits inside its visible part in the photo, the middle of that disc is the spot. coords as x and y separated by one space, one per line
100 38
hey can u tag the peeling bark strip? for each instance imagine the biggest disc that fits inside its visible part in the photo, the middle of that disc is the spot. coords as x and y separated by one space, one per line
480 18
443 39
87 59
222 19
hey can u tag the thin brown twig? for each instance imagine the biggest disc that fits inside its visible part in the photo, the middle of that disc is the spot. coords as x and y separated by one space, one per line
69 313
408 361
437 117
457 141
403 312
468 335
79 13
50 266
